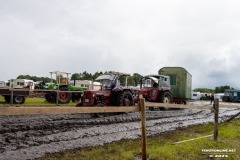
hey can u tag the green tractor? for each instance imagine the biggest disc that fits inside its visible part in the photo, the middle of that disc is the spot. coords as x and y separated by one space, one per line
62 84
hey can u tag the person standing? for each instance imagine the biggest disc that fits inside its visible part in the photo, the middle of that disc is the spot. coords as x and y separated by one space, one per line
212 98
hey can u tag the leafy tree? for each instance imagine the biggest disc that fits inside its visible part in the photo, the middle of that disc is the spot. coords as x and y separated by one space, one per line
96 74
221 89
35 78
137 77
131 81
86 76
75 76
203 90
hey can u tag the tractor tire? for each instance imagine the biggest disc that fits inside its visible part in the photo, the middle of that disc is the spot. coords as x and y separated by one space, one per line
64 97
50 97
76 97
125 99
7 99
97 115
165 97
19 99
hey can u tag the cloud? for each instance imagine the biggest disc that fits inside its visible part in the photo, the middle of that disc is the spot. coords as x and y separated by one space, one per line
128 36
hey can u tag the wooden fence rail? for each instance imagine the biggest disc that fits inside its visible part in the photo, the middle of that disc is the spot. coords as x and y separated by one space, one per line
96 109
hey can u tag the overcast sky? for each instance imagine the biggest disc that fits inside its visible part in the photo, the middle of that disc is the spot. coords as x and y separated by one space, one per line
134 36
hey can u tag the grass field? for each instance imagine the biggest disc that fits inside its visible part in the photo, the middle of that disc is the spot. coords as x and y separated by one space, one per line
34 102
161 147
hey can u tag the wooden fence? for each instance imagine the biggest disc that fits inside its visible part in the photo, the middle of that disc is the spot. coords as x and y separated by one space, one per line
96 109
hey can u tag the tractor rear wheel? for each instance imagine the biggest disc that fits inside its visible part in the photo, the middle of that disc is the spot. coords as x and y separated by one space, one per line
125 99
64 97
165 97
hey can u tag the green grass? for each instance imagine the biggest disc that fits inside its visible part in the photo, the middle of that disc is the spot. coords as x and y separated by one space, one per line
161 147
34 102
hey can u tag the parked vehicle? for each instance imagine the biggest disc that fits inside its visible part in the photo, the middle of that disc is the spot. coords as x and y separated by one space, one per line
111 93
62 84
196 95
231 95
156 88
3 84
181 83
19 96
90 85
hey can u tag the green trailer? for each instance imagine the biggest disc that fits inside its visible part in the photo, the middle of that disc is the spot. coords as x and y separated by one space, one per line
180 81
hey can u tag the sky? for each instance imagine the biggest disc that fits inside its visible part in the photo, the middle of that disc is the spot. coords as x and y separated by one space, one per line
133 36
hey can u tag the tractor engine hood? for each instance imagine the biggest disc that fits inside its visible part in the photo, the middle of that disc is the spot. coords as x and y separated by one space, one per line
94 93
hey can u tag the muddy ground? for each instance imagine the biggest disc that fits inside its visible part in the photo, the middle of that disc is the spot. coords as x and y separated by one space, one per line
33 136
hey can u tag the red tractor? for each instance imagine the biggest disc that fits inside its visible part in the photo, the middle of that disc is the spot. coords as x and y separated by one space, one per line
111 92
156 88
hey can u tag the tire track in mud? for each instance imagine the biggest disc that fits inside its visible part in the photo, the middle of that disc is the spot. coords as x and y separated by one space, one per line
15 124
55 133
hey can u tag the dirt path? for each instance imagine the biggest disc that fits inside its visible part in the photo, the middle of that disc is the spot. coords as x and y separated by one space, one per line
29 137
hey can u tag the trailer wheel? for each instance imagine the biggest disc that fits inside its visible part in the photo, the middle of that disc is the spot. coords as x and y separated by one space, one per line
7 99
19 99
165 97
125 99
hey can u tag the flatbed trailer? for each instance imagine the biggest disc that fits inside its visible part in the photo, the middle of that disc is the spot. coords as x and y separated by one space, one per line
19 95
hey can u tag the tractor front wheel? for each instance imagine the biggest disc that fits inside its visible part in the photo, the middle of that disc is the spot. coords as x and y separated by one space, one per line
97 115
64 97
76 97
165 97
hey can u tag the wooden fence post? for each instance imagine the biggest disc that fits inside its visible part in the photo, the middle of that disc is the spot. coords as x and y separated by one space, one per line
144 135
11 96
216 111
57 100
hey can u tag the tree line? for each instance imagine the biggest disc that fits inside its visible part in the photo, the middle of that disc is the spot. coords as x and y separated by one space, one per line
133 80
219 89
